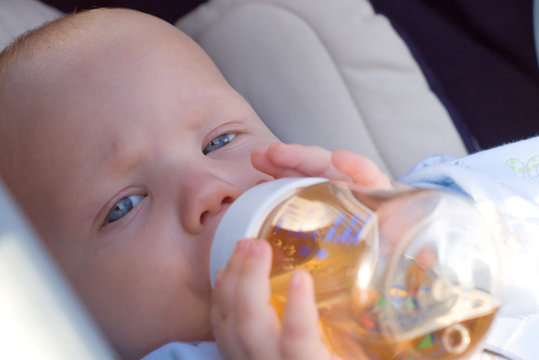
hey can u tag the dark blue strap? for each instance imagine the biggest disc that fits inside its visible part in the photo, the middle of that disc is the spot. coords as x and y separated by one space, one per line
536 27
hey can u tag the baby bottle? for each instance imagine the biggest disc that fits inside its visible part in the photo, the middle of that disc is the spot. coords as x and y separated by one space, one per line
410 274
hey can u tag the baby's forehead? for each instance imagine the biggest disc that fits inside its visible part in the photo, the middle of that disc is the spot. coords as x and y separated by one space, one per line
63 79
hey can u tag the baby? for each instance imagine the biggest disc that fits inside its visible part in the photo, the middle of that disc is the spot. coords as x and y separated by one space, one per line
124 145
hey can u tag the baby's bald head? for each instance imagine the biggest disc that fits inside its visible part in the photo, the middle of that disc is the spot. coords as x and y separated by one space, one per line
112 107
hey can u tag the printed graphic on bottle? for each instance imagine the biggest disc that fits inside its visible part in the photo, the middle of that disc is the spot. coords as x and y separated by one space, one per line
325 231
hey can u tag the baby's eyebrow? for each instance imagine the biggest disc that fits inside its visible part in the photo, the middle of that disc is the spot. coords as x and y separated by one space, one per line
119 158
103 176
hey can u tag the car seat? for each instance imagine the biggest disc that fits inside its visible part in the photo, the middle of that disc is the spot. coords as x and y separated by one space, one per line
332 74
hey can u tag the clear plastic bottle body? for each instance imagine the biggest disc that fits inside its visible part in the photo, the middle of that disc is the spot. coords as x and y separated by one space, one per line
320 230
398 275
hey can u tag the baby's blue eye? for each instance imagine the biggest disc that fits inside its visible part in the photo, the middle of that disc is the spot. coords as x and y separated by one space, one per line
218 142
122 207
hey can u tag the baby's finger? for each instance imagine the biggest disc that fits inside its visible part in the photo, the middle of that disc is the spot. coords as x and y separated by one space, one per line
223 301
301 338
256 321
361 169
222 304
225 292
282 160
262 163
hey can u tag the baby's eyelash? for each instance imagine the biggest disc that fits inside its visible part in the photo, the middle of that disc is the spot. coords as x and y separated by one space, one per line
218 142
122 208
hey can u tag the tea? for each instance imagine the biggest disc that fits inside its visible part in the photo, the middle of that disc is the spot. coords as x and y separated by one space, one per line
397 274
323 231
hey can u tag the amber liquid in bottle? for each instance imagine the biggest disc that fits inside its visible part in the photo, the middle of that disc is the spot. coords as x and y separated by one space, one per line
455 335
316 231
325 231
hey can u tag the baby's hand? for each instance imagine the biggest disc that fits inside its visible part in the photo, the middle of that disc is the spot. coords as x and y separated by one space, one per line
282 160
246 326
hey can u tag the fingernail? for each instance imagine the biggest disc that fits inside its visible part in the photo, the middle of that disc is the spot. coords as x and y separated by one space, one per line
256 248
242 246
297 279
218 277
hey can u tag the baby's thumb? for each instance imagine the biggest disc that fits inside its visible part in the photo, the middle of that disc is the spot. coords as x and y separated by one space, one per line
301 338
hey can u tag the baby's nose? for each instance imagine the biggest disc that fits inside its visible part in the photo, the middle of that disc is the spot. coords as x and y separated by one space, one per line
208 198
224 203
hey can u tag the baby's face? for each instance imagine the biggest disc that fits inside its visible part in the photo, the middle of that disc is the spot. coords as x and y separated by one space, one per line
137 146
